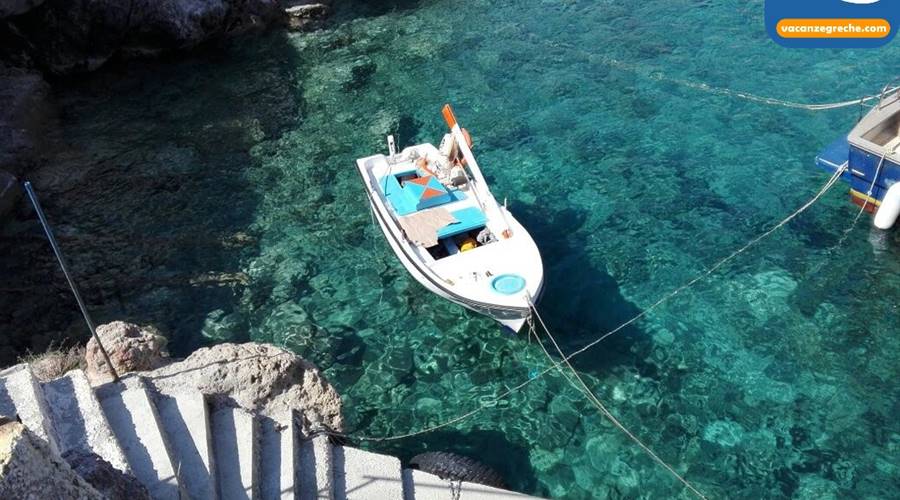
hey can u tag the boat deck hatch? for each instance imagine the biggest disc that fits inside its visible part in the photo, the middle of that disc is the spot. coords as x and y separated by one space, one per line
508 284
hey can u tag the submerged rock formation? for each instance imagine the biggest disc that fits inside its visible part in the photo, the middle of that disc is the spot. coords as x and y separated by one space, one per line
64 37
25 112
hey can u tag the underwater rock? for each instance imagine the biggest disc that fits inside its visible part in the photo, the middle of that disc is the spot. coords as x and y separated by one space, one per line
726 433
130 348
16 7
303 15
25 113
86 35
108 480
342 75
9 192
223 327
361 72
220 279
258 377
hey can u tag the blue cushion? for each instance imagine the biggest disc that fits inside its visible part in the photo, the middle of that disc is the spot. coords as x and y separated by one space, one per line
467 219
403 202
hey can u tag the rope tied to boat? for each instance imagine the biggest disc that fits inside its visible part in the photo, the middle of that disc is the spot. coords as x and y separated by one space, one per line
660 76
492 401
582 387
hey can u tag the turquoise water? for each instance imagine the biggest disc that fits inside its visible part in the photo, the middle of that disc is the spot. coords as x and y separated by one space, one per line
774 378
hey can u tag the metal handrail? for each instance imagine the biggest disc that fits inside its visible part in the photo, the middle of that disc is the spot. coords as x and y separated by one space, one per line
65 270
886 93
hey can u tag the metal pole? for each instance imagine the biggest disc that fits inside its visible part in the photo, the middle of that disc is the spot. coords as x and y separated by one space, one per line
65 270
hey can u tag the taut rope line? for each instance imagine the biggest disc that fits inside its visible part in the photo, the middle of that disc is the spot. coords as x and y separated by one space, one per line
825 188
704 87
600 406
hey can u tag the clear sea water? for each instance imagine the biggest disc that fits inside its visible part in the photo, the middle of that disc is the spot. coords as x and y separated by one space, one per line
774 378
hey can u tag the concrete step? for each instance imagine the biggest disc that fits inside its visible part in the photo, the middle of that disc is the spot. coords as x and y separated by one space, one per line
278 457
235 448
419 485
316 469
360 475
133 419
185 420
79 421
21 396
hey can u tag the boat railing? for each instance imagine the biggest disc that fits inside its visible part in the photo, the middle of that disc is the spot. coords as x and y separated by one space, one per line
890 90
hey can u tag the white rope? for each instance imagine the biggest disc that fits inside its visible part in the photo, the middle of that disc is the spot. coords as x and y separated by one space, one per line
600 406
766 100
493 401
704 87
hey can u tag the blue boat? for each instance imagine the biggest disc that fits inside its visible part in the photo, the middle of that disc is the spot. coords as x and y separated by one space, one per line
871 155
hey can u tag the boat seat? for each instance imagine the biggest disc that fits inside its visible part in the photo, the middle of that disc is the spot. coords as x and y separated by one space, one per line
409 199
402 201
467 219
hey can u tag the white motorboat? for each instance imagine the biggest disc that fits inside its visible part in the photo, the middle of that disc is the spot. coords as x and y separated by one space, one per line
440 218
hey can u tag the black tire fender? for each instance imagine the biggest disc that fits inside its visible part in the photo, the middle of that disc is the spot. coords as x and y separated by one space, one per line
457 468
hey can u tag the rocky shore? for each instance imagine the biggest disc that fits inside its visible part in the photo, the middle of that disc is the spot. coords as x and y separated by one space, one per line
59 37
260 379
43 40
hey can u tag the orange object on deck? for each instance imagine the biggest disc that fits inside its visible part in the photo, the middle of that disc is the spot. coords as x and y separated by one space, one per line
449 117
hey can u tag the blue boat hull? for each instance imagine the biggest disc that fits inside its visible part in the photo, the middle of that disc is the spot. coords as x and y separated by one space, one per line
863 166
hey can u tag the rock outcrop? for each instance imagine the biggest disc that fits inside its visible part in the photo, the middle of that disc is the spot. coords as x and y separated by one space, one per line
131 348
302 15
24 115
9 192
64 37
30 469
257 377
15 7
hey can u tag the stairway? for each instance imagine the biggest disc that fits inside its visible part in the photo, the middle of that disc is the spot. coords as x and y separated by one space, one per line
180 446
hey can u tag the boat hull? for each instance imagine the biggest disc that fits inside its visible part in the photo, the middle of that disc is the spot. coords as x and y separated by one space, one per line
862 167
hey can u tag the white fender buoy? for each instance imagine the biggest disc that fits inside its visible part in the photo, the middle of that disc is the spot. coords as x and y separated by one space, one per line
890 208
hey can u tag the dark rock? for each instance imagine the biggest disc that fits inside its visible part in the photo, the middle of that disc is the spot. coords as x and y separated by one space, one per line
25 115
16 7
361 72
9 192
105 478
65 37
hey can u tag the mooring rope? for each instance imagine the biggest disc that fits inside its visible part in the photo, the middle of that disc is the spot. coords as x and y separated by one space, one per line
510 390
862 209
724 91
583 387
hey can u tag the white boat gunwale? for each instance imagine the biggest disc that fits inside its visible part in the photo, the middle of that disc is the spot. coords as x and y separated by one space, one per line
426 272
511 309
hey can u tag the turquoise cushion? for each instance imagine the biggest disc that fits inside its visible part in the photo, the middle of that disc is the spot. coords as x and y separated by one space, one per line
467 219
402 202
